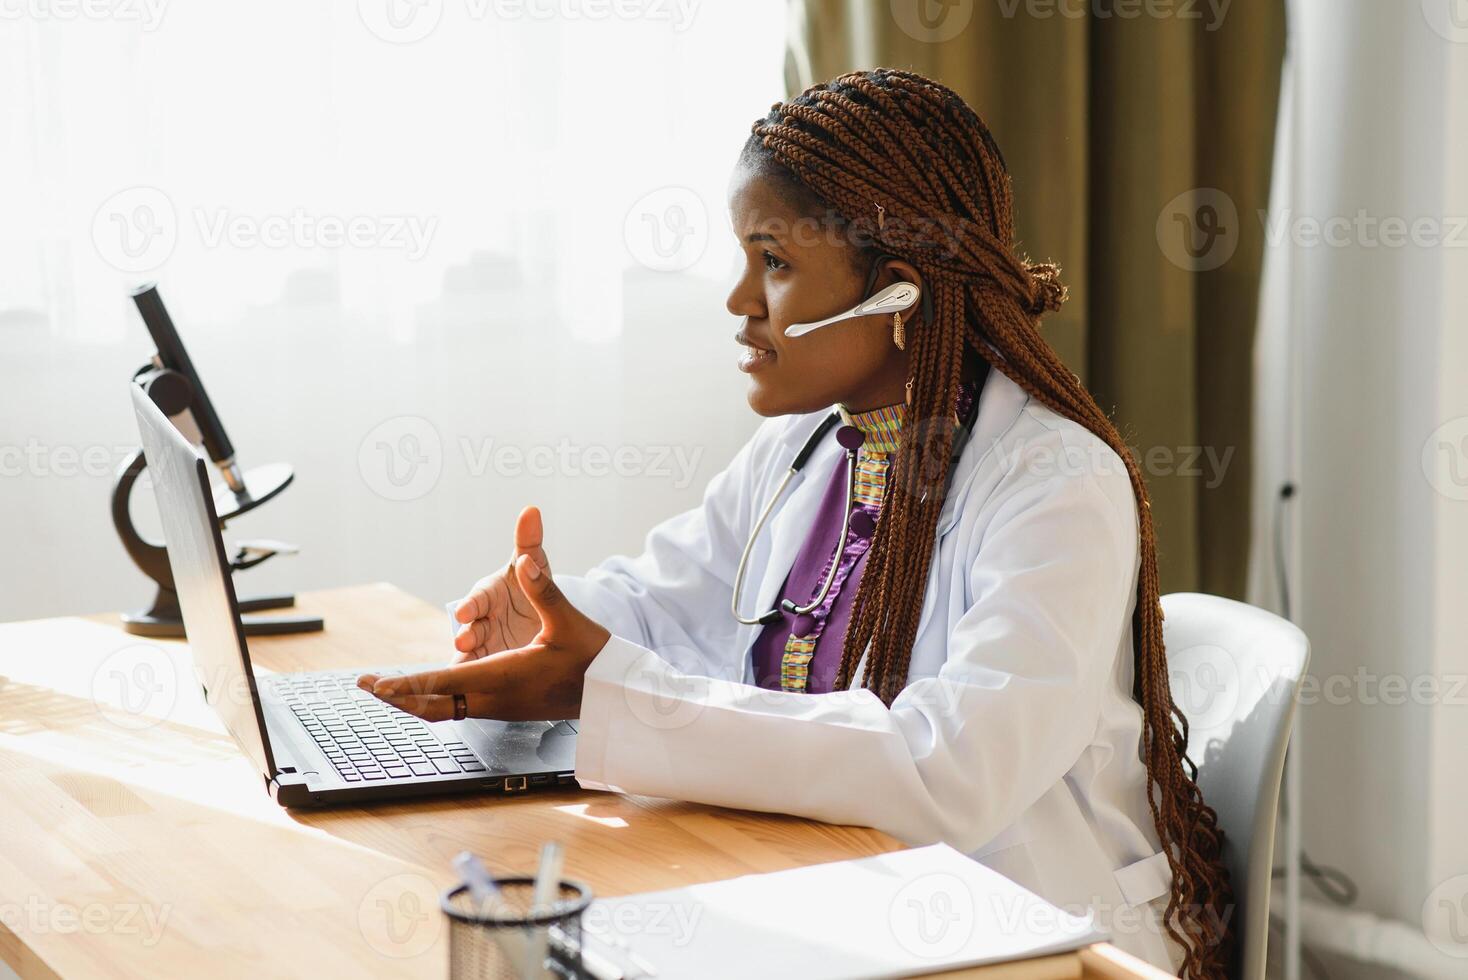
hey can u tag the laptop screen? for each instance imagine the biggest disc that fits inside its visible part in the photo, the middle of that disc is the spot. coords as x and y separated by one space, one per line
201 578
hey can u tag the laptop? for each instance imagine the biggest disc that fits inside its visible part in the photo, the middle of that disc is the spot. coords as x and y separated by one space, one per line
316 738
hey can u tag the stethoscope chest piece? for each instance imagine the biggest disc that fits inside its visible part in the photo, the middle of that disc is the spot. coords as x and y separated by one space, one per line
853 518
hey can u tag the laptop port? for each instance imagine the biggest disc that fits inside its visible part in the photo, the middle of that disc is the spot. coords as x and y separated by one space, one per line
539 780
514 784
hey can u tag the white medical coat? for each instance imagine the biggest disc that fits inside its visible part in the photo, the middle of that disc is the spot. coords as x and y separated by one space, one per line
1016 739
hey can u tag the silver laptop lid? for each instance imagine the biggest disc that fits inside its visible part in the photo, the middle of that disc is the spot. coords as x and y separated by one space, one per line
201 576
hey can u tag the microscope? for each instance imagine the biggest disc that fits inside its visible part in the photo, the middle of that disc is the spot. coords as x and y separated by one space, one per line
173 384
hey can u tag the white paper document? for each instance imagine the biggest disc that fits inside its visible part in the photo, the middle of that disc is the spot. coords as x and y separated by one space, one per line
907 913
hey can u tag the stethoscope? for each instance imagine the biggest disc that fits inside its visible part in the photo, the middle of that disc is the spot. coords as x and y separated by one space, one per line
897 297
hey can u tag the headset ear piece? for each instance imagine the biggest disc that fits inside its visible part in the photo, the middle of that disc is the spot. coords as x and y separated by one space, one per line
895 298
898 296
876 270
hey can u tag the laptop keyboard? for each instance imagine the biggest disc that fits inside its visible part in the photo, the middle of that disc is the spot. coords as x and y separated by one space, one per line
365 739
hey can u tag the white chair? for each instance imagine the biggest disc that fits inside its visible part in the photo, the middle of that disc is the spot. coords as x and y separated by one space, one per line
1236 672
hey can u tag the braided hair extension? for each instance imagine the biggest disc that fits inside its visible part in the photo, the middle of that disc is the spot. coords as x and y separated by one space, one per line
908 169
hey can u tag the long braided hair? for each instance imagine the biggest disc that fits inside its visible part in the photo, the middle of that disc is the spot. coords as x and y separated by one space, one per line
909 170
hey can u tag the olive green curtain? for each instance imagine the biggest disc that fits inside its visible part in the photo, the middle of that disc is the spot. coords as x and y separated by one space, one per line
1139 134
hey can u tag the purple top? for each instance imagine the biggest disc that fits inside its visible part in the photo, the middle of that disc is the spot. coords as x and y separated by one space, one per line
827 624
804 583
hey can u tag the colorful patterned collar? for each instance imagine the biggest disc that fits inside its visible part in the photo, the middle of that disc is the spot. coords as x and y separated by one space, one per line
881 426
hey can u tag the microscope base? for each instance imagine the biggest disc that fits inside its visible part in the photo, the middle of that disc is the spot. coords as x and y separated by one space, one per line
164 620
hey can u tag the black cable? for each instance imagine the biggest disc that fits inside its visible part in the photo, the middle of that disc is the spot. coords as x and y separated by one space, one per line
1333 883
1281 573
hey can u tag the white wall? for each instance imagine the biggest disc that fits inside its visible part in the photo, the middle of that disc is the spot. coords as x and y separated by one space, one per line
1381 365
541 314
1447 849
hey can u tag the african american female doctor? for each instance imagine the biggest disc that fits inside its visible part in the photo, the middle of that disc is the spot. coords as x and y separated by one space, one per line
946 625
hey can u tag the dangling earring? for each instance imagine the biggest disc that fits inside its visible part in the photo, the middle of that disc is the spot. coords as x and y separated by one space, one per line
899 336
907 398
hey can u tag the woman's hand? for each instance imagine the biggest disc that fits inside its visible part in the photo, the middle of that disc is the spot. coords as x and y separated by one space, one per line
540 680
496 613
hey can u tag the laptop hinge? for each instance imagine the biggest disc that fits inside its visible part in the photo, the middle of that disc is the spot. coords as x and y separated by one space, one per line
289 789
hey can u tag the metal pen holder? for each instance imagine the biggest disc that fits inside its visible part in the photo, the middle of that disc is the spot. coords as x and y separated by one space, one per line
509 941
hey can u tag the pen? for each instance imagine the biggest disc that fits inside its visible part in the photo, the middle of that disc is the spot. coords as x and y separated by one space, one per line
548 876
547 885
481 884
485 893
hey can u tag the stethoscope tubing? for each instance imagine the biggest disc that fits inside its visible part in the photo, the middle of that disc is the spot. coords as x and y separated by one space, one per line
796 465
792 608
960 441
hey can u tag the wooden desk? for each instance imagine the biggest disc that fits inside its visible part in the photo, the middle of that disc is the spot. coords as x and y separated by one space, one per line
137 841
